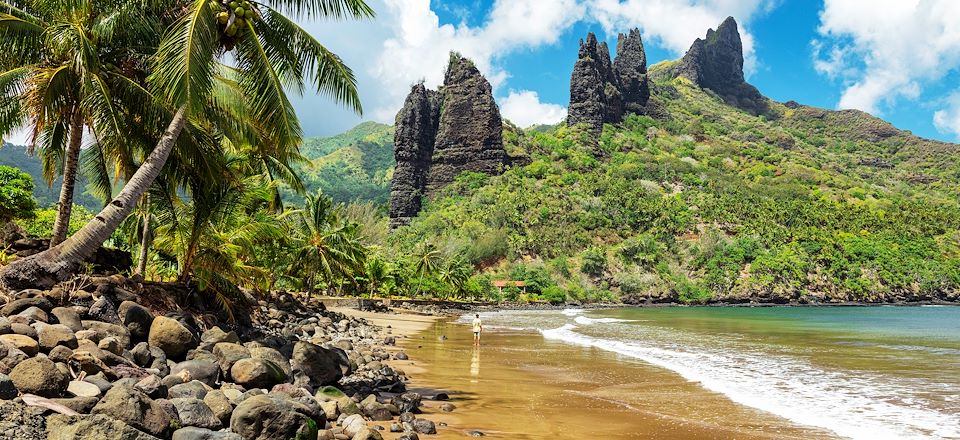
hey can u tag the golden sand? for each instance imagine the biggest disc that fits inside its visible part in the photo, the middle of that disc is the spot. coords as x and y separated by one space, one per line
519 386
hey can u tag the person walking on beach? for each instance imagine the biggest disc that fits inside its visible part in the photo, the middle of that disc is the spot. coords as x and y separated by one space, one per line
477 328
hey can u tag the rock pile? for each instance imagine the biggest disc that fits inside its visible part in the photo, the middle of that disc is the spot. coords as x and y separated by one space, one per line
440 134
95 364
603 92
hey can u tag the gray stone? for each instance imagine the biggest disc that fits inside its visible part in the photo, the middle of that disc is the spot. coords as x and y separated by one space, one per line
220 405
268 417
7 389
194 412
136 318
104 310
256 373
90 427
68 317
195 433
194 388
51 336
136 409
205 371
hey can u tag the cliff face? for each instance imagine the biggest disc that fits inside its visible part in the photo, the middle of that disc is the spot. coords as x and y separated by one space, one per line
442 134
470 134
416 129
716 63
602 91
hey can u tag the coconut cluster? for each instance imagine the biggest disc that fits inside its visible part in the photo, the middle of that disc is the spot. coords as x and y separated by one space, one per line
232 15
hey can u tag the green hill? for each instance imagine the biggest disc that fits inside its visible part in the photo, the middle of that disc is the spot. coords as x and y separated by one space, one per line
709 203
47 195
355 165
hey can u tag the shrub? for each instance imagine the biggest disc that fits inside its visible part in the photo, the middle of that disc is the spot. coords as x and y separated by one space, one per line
593 262
16 194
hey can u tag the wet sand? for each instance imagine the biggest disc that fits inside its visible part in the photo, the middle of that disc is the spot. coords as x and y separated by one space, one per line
520 386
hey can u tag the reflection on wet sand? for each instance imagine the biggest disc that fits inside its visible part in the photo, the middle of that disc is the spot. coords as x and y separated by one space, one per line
475 365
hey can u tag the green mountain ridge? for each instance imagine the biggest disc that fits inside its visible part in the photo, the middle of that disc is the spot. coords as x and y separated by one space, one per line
709 203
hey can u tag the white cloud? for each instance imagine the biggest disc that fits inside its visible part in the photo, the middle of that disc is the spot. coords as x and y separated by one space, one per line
947 120
421 45
408 43
19 136
674 24
886 50
525 109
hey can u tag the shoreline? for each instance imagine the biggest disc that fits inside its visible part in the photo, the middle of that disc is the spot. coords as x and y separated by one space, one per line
499 396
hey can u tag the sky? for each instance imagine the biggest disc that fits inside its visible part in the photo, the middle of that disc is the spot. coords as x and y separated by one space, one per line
896 59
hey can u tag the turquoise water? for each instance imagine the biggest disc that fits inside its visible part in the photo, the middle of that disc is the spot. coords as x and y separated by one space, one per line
861 372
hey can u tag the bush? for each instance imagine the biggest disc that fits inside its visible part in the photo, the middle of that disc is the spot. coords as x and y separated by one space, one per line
16 194
554 294
593 262
41 225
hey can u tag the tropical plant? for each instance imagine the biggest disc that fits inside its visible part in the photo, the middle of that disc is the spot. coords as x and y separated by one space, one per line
329 250
268 53
16 194
426 260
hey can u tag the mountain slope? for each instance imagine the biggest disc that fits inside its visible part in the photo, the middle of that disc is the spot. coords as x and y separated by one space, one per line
707 202
47 195
354 165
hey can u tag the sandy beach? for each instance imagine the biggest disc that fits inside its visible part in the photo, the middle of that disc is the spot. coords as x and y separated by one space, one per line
519 386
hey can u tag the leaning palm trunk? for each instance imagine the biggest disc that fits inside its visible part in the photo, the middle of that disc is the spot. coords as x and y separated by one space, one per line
45 269
65 204
144 239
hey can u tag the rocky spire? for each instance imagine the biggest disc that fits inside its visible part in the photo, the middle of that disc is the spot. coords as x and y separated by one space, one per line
630 70
413 140
587 95
470 133
602 91
441 134
716 63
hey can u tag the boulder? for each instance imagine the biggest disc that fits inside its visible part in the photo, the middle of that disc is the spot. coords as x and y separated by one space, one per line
227 354
34 314
194 388
7 389
407 402
90 427
202 370
26 344
194 433
136 318
52 335
320 365
68 317
353 424
269 417
274 356
19 305
104 330
82 405
18 421
60 354
220 405
424 426
104 310
194 412
133 407
171 336
367 434
39 376
256 373
81 388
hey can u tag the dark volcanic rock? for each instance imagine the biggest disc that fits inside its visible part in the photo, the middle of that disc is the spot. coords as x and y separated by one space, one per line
442 134
716 63
470 131
602 91
413 140
630 70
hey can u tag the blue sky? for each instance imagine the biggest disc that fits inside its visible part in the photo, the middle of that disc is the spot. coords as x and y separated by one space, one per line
897 59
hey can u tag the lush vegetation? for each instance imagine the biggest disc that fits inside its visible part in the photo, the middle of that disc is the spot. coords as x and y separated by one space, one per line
712 203
701 202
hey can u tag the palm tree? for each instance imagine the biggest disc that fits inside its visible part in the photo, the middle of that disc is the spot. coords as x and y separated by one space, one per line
330 250
426 261
455 272
268 51
377 273
65 79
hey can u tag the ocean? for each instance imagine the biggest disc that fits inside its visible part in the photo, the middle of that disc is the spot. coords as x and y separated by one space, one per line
858 372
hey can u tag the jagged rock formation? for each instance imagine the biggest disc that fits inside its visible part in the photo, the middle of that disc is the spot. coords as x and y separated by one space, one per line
602 91
716 63
416 130
470 132
630 69
442 134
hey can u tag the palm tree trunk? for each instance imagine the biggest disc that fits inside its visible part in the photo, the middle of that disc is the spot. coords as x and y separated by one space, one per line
45 269
70 160
144 238
83 244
